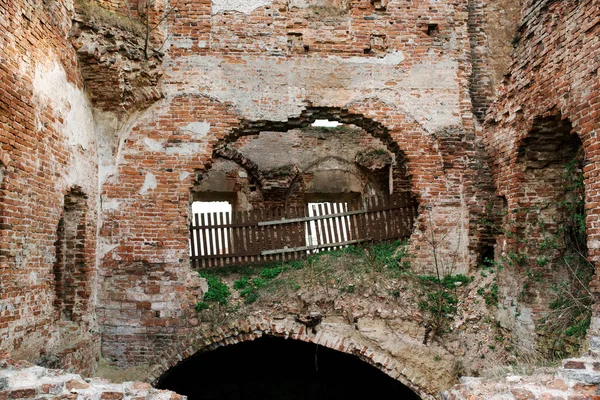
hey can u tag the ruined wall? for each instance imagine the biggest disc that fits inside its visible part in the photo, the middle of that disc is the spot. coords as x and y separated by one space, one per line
551 92
47 147
493 35
398 70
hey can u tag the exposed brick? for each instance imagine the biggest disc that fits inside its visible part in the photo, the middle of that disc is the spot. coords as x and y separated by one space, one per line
574 365
522 394
558 384
75 384
111 396
22 393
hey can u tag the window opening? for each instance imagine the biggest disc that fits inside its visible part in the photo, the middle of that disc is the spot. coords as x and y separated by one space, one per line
211 238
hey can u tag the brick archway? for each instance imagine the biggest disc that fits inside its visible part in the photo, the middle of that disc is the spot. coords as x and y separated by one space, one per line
307 117
248 330
400 180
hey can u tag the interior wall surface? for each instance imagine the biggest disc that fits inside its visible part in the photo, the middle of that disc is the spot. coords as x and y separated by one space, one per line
47 148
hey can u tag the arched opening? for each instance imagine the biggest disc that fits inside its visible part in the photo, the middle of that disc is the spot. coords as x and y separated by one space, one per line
325 155
278 159
277 368
551 230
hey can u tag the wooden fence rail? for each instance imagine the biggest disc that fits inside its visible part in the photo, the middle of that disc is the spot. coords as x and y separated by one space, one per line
261 236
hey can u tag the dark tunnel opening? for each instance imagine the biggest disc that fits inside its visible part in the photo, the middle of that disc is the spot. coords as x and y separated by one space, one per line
280 369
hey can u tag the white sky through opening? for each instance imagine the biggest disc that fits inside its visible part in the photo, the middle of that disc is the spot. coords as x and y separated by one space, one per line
326 123
207 208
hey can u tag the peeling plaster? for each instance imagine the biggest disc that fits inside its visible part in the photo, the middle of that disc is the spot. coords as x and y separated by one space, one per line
259 89
104 247
184 43
243 6
153 145
51 85
110 204
199 128
394 58
52 90
183 176
149 183
184 149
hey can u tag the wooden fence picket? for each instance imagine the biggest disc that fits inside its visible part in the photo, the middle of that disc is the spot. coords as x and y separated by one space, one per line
218 239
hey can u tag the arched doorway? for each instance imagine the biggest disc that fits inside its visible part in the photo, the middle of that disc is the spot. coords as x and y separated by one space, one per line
278 368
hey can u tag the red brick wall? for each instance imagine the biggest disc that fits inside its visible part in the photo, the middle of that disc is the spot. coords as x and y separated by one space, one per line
47 146
554 74
147 290
399 70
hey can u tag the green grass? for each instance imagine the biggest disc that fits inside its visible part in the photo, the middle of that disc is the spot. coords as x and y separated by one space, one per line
217 293
347 267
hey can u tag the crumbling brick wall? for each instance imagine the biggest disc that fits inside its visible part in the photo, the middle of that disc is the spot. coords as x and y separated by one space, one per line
399 71
553 78
47 147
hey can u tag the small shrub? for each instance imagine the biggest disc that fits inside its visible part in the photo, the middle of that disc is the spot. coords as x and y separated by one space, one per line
241 283
258 282
347 289
251 297
491 298
271 273
296 264
579 328
218 292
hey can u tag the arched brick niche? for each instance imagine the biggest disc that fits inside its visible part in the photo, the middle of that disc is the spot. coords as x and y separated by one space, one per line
555 86
307 117
547 159
251 329
286 184
542 234
72 279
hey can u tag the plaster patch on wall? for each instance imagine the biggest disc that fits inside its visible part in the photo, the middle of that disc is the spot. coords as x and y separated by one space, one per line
593 244
393 58
153 145
110 204
243 6
33 278
104 247
183 176
51 87
81 173
260 89
104 171
149 183
183 43
73 118
184 149
199 128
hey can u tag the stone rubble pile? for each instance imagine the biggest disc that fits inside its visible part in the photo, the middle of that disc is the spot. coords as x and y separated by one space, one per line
23 380
576 379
